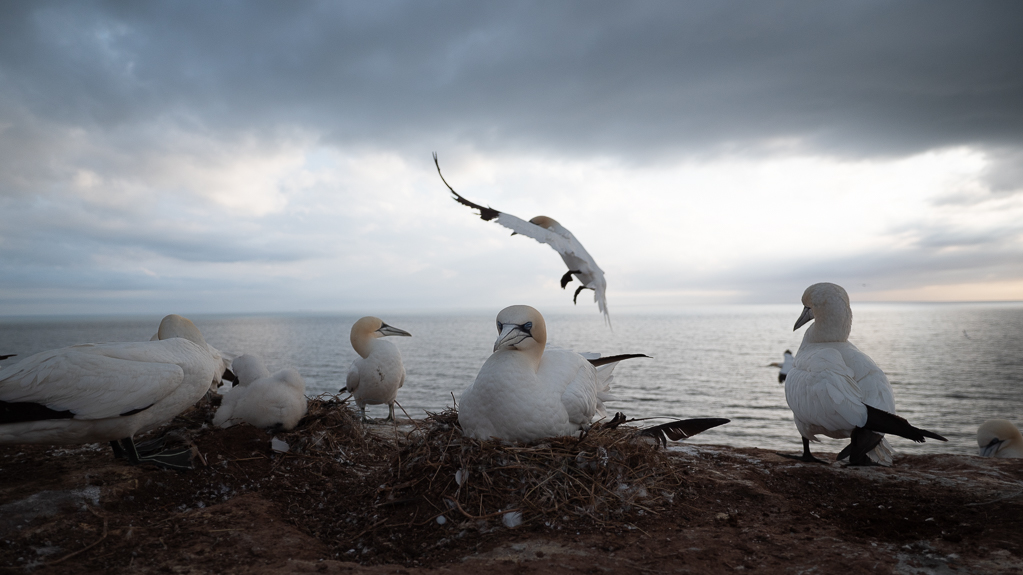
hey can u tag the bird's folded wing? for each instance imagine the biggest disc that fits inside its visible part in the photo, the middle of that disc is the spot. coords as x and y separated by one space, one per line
825 392
89 385
353 377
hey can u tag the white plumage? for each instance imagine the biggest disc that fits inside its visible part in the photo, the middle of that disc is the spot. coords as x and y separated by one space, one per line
548 231
105 392
831 382
999 438
260 399
784 366
525 392
248 368
376 375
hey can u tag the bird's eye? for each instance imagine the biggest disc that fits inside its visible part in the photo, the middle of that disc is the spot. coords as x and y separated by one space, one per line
527 326
994 441
500 326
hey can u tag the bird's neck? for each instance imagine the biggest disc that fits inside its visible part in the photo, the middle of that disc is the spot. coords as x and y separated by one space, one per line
363 344
832 329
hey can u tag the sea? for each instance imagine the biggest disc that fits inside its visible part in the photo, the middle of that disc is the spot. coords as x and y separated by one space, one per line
951 365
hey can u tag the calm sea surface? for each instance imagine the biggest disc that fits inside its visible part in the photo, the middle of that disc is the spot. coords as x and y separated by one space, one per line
951 365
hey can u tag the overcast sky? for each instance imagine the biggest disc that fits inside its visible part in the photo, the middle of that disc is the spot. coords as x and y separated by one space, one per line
197 157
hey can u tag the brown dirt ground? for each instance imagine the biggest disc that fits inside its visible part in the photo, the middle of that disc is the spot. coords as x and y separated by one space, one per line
349 498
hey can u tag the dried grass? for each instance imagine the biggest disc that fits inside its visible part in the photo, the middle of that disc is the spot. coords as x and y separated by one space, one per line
610 475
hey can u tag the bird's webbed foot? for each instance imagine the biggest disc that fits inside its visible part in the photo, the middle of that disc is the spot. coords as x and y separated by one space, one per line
806 457
178 459
565 279
576 296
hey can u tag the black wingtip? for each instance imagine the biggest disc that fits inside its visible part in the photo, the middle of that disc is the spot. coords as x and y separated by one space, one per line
681 429
486 213
613 358
883 422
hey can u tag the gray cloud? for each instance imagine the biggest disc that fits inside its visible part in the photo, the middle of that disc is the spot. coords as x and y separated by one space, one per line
862 79
114 88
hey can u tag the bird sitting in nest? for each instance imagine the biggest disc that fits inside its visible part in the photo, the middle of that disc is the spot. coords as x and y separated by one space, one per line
526 391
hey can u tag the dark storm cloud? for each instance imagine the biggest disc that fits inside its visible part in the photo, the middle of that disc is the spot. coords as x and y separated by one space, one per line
635 80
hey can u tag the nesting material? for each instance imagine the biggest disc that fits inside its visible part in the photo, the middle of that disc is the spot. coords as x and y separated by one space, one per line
610 475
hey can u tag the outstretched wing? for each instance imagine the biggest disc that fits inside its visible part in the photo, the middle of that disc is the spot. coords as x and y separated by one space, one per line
572 252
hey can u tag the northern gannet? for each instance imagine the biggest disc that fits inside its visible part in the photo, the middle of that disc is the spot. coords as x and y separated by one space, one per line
999 438
248 368
784 366
548 231
260 399
834 389
524 392
375 376
108 392
224 359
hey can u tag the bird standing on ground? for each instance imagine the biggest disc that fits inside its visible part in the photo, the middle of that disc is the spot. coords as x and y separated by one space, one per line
262 400
548 231
834 389
108 392
999 438
783 367
525 392
376 375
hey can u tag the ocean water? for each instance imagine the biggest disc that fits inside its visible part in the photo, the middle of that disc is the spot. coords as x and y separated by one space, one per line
952 366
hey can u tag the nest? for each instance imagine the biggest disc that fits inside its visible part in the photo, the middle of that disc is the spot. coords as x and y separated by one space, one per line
331 429
609 476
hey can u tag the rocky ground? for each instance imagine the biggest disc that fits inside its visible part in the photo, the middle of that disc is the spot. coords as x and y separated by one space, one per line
342 500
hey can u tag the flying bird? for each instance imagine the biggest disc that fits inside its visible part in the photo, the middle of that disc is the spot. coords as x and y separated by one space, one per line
834 389
784 366
525 392
376 375
108 392
548 231
269 401
999 438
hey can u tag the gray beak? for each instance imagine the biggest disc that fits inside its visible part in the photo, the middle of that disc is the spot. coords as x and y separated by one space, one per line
806 316
990 449
388 330
511 335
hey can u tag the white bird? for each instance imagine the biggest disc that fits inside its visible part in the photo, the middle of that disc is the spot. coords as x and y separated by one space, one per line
223 364
108 392
376 375
784 366
248 368
525 392
262 400
834 389
548 231
999 438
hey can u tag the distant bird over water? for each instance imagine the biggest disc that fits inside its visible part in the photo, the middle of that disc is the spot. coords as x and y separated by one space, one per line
783 367
376 375
548 231
999 438
834 389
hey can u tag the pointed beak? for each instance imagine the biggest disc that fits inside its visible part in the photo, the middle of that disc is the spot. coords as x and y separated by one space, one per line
990 449
511 335
806 316
388 330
